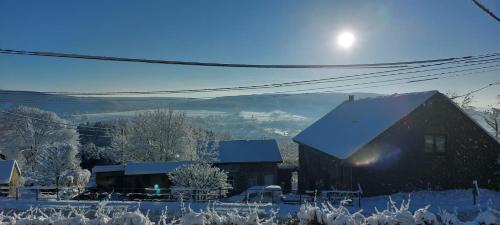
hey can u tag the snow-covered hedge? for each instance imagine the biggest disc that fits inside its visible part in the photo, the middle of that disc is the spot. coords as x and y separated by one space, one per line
326 214
309 214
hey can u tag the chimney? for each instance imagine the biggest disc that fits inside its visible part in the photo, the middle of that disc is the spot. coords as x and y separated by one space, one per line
351 98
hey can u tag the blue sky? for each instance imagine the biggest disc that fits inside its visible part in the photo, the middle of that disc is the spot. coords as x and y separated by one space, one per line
274 32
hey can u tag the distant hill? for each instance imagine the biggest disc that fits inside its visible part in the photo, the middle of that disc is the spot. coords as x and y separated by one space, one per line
303 104
246 116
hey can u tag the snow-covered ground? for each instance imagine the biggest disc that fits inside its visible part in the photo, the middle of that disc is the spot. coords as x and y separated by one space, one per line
450 200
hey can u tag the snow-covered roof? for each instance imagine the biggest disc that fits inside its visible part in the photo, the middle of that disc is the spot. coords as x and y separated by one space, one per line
108 168
353 124
153 167
6 170
245 151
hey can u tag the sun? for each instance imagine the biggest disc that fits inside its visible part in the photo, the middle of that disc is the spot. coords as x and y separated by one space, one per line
346 40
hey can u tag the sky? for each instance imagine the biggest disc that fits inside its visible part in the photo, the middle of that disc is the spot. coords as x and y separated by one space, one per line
234 31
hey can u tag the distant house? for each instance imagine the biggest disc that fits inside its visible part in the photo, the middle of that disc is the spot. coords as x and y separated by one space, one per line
401 142
247 162
10 177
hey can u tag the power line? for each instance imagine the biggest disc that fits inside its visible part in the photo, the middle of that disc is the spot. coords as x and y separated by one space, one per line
284 84
486 10
465 61
413 79
478 90
237 65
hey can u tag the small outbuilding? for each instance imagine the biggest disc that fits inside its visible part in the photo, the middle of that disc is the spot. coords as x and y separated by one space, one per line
249 163
10 177
134 177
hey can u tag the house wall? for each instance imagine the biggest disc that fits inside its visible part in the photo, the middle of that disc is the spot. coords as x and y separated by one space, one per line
319 171
396 160
109 181
137 183
245 175
15 181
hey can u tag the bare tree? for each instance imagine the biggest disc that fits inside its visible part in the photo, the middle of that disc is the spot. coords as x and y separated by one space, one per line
492 118
27 129
53 161
162 135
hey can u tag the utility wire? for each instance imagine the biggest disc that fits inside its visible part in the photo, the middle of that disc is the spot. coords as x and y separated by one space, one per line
419 78
238 65
466 61
66 125
280 85
478 90
486 10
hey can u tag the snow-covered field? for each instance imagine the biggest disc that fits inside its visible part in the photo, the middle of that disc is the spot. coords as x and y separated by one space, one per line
453 201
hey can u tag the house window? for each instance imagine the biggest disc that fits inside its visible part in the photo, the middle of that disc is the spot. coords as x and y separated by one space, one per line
440 142
435 143
429 143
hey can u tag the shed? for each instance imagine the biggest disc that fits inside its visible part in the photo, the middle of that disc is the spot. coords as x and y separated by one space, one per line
10 177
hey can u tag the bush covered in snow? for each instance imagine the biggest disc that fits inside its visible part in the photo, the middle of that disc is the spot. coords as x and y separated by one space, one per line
203 179
326 214
309 214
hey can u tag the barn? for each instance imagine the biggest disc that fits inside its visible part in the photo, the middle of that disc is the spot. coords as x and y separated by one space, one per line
401 142
247 162
10 177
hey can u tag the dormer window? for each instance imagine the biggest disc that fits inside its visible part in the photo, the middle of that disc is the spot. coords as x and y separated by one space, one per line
435 143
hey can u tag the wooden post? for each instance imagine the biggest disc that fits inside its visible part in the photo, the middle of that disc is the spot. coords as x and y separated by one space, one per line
17 193
359 199
475 192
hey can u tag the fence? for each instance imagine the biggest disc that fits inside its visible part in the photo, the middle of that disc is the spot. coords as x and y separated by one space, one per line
252 195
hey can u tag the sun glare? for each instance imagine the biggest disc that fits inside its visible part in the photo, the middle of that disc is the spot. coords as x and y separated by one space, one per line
346 40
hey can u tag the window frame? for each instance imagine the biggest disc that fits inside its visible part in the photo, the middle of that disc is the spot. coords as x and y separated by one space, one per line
434 148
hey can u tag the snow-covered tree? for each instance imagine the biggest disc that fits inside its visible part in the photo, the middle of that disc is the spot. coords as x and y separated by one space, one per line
492 118
290 153
161 135
26 130
53 161
200 178
92 155
206 146
74 178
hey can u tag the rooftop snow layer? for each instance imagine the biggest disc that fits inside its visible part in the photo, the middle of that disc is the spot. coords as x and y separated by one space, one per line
354 124
107 168
153 167
244 151
6 169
